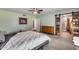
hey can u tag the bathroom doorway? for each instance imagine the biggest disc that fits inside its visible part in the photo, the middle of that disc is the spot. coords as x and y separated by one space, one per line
66 25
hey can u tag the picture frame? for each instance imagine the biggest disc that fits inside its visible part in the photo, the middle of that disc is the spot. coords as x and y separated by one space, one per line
22 20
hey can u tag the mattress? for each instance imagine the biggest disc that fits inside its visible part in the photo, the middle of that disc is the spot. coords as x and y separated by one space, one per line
39 42
26 41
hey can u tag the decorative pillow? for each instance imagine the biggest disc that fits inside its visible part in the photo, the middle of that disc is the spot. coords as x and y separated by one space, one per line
2 37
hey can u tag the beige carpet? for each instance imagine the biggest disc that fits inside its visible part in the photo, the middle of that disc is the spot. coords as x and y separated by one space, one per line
62 42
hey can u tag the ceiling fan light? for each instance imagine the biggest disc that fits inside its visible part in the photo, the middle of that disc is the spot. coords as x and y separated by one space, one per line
35 12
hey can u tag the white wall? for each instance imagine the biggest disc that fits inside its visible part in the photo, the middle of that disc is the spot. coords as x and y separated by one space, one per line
9 21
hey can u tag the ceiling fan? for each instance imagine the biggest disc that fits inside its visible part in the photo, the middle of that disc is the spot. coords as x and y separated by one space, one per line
36 10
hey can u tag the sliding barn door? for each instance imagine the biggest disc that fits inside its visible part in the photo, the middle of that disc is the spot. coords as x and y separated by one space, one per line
57 23
75 23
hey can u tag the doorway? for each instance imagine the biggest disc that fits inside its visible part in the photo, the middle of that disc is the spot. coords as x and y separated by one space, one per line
66 25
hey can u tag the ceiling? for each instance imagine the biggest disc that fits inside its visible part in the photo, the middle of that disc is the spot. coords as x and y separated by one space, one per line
45 10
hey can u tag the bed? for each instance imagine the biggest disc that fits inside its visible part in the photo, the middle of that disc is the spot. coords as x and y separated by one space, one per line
29 40
76 40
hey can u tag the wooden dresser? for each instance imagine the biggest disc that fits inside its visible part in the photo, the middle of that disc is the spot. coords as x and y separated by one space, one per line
47 29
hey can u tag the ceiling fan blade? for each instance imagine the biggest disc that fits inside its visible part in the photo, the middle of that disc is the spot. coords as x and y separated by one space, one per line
36 10
40 10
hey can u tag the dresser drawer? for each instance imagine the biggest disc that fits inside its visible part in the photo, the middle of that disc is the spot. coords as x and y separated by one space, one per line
47 29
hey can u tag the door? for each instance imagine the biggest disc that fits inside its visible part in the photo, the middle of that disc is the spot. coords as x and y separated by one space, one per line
36 24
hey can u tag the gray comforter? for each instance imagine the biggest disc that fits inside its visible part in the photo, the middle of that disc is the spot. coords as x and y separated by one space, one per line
25 40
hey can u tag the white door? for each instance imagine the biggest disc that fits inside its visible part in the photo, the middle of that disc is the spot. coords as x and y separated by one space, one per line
36 24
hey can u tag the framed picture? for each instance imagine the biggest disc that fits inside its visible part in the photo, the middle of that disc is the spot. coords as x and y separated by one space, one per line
22 20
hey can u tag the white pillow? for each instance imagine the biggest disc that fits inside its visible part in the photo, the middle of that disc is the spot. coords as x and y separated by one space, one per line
2 37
